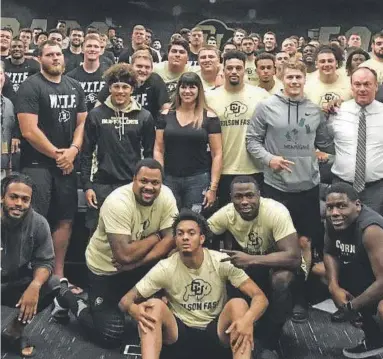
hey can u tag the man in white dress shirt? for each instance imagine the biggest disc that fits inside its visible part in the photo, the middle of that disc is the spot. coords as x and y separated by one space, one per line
360 161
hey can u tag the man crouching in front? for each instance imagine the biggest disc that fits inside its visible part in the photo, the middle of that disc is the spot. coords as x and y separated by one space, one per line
198 317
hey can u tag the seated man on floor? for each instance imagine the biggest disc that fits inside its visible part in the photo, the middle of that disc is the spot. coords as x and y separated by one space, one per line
263 241
27 260
353 258
199 319
133 233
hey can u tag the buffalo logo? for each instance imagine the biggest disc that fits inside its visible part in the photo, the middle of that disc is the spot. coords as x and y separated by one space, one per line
217 28
91 97
171 88
236 108
197 288
254 243
328 97
16 87
292 136
64 116
98 301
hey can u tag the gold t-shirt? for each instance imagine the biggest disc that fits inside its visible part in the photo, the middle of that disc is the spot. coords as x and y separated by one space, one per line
375 65
171 78
235 110
259 236
121 214
196 296
251 76
321 93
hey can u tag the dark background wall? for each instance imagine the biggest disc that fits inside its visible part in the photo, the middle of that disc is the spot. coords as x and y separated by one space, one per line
285 17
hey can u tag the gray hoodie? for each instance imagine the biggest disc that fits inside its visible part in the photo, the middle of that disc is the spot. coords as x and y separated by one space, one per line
293 130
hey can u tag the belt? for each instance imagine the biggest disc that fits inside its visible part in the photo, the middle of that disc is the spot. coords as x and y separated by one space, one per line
367 184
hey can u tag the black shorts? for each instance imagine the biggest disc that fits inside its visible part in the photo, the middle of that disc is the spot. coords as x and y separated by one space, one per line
196 343
12 290
54 195
102 191
105 291
304 210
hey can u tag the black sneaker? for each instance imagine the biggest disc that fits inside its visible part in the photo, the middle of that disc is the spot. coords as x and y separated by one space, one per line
59 313
364 349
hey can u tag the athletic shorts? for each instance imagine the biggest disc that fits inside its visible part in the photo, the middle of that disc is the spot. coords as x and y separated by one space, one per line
12 290
54 195
196 343
105 291
304 210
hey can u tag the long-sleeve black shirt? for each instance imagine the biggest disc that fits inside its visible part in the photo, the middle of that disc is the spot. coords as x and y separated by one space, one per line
113 143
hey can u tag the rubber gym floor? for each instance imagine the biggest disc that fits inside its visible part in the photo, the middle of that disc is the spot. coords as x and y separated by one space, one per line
316 339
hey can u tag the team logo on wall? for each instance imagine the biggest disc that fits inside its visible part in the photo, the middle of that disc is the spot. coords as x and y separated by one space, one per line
236 108
216 28
198 288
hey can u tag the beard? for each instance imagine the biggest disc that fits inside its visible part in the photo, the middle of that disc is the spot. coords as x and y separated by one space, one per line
53 70
378 54
13 221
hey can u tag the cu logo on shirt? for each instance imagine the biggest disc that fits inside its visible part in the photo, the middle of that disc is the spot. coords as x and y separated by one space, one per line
236 108
64 116
197 288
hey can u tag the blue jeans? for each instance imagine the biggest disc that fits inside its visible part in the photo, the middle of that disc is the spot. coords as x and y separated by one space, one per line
188 191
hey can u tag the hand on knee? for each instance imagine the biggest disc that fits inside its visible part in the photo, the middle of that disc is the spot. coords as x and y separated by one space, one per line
149 314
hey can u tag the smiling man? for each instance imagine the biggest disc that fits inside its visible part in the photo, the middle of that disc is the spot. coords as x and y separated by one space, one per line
17 67
353 259
357 128
150 90
121 130
90 73
133 233
261 239
210 74
27 260
234 103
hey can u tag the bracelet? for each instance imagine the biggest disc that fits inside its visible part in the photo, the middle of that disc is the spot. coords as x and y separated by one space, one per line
158 236
74 145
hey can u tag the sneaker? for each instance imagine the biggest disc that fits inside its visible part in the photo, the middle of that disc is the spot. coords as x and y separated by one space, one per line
59 313
364 350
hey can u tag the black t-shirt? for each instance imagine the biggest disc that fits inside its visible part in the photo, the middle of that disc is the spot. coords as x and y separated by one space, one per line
126 55
57 106
72 60
91 83
193 59
108 59
114 53
186 147
19 73
348 245
151 95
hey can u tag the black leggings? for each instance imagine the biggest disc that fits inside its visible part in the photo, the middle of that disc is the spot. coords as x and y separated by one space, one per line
102 319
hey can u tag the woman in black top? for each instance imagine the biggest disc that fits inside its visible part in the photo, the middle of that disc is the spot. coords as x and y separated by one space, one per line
189 145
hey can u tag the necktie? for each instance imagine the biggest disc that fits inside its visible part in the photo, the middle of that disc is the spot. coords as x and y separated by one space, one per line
360 164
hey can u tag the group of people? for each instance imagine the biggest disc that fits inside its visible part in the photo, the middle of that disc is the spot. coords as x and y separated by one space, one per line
203 172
